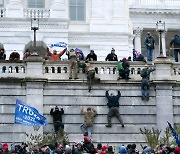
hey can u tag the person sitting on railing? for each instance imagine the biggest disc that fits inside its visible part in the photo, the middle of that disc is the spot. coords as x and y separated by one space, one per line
91 56
26 54
123 67
14 56
54 56
175 42
2 54
111 56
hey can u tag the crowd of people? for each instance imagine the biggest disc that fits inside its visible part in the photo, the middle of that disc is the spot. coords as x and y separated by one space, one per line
87 147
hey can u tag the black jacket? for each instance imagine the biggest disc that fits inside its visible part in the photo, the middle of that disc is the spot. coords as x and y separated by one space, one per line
57 115
113 101
111 57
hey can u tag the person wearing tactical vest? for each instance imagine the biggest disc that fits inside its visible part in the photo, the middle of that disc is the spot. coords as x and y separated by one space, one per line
145 83
175 42
90 71
73 64
150 44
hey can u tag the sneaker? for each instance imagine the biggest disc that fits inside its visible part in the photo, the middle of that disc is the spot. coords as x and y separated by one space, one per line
70 78
108 125
76 78
123 126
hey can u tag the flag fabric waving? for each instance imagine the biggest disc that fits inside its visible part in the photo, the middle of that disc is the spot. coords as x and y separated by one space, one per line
28 115
59 44
176 137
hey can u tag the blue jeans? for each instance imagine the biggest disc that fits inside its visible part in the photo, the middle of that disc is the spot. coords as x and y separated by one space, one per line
88 129
149 54
176 51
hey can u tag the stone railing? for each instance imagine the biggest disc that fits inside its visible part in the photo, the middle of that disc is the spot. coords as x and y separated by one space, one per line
36 13
155 2
60 70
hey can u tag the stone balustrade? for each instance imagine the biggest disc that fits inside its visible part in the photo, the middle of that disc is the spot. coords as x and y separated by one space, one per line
36 13
60 70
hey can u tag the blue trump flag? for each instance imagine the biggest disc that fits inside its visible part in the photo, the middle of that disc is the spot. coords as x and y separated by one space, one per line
59 44
176 137
28 115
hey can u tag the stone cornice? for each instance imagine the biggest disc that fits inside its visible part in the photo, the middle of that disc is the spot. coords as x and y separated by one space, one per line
148 11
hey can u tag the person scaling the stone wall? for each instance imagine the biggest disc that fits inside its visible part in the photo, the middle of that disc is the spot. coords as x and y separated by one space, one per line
87 126
57 118
73 63
145 83
90 71
113 104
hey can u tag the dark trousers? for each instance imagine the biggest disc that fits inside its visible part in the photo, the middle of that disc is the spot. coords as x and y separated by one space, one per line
58 125
124 73
145 88
91 78
176 51
114 111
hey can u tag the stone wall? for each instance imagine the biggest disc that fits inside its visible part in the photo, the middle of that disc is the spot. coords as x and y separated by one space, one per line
44 89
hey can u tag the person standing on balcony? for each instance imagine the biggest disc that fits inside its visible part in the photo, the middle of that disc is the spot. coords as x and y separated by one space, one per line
26 54
150 44
14 56
145 83
57 118
111 56
73 64
56 56
2 54
88 121
91 56
113 104
175 42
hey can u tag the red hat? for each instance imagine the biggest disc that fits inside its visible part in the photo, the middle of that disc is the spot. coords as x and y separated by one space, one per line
85 139
177 149
104 148
5 148
124 58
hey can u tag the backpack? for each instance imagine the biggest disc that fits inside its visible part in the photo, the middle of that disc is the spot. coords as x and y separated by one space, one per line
177 40
120 66
143 72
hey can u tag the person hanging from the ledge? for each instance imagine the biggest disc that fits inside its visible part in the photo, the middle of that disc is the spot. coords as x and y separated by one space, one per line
57 118
113 104
87 126
90 71
145 83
